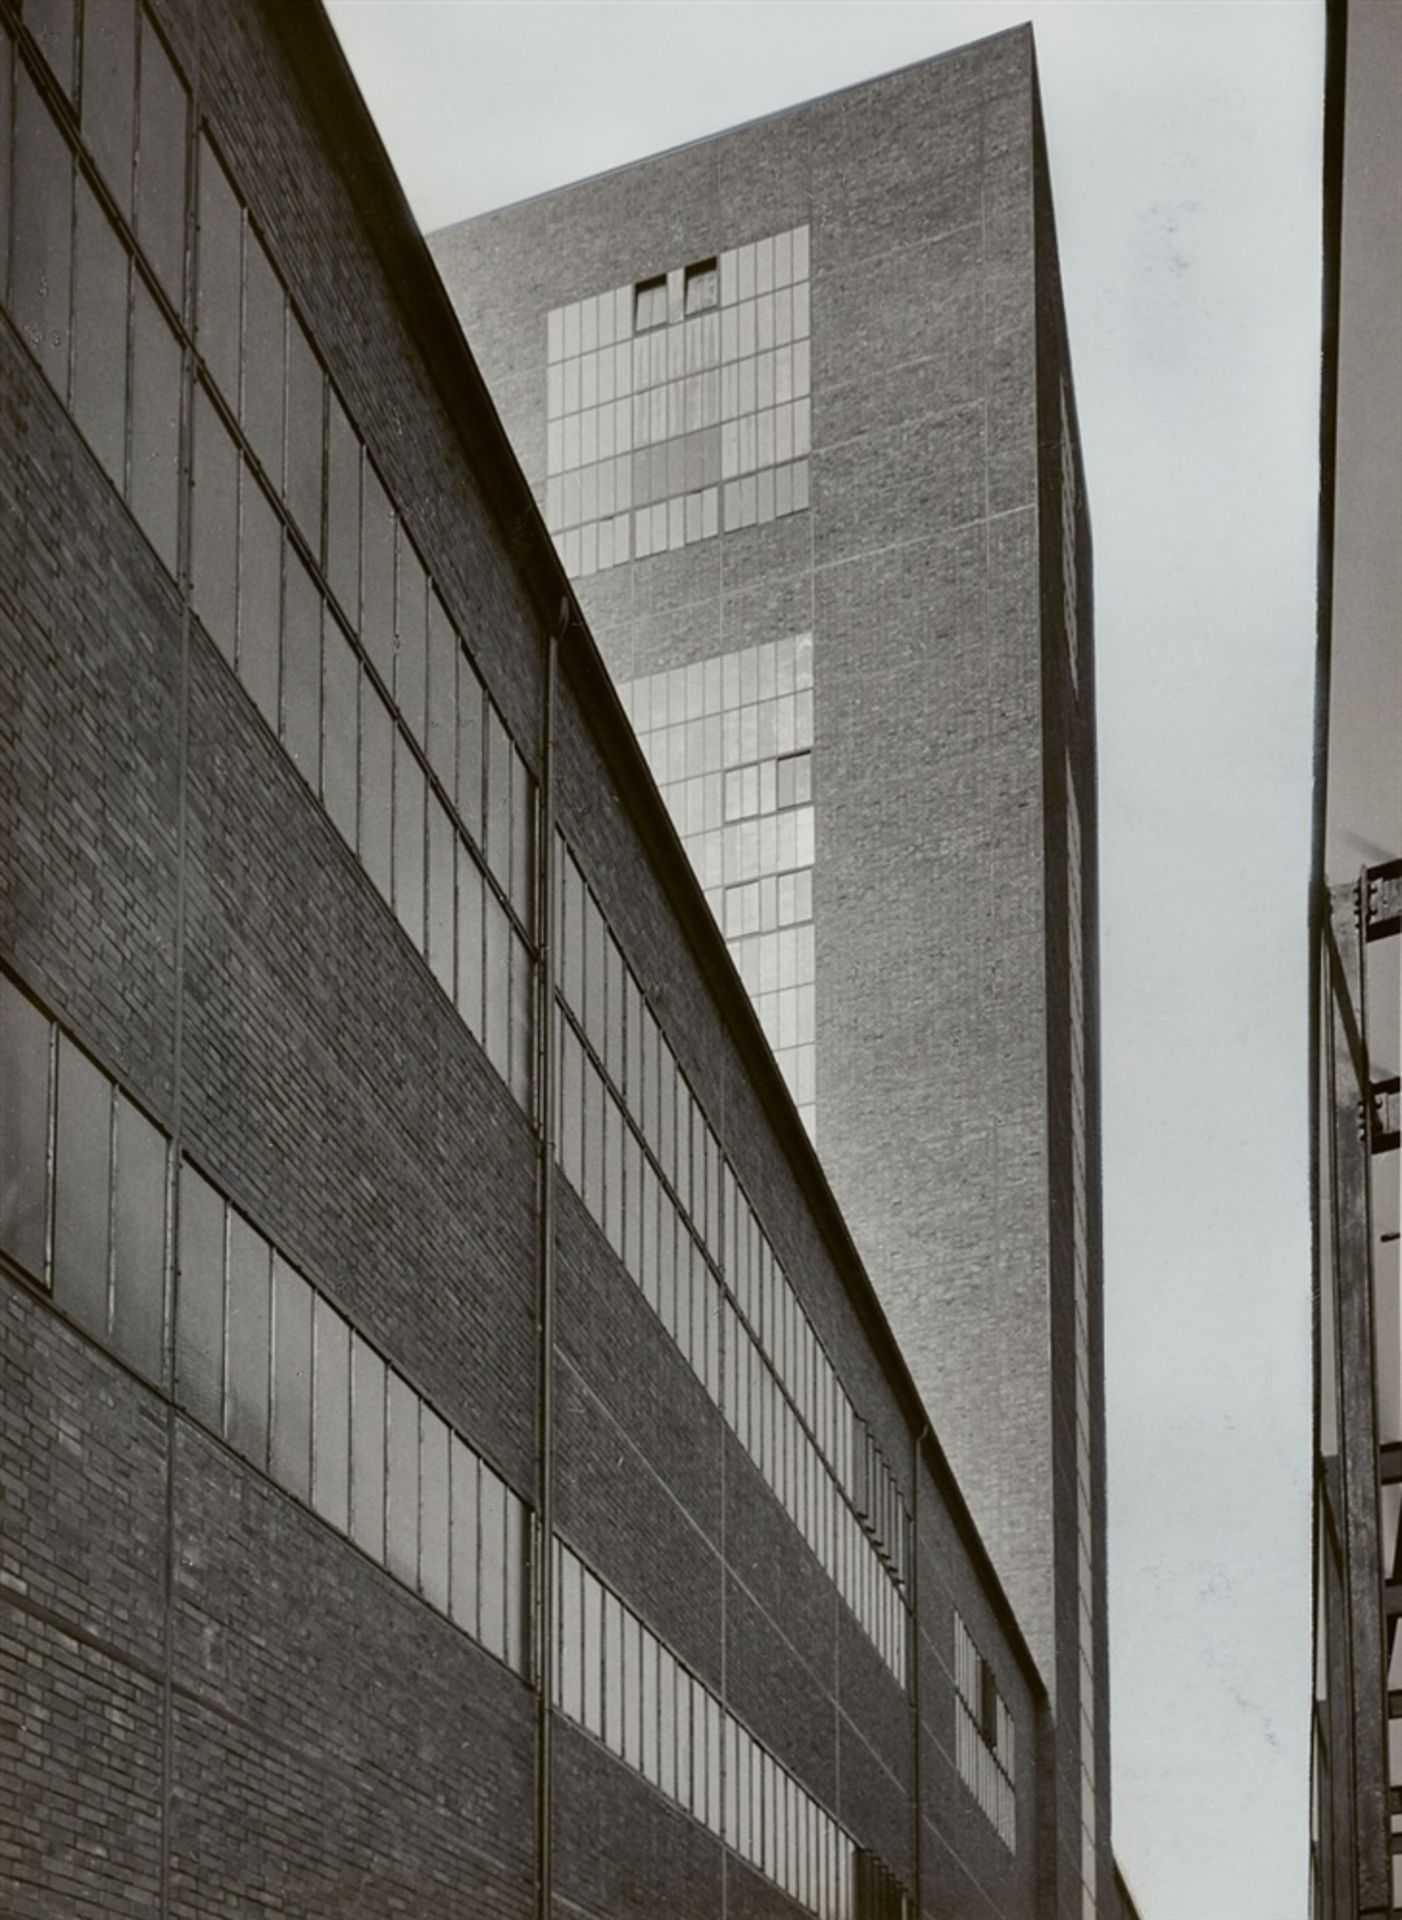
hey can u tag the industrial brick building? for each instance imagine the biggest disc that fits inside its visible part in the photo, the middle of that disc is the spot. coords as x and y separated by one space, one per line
454 1459
796 403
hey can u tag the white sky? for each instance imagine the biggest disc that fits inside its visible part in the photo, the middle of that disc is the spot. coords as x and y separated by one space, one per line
1185 148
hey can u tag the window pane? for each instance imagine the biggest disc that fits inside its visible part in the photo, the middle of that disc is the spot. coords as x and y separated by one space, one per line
666 1722
649 1706
82 1188
569 1679
6 100
685 1769
408 840
139 1235
464 1537
632 1690
571 1110
613 1673
411 634
402 1457
433 1509
305 391
593 1655
52 24
343 510
160 164
331 1416
199 1300
499 749
470 757
100 336
470 957
498 986
250 1322
442 694
377 575
376 774
301 670
517 1583
155 424
220 273
521 863
24 1129
367 1449
292 1380
522 992
262 357
340 727
215 530
442 906
260 583
493 1562
39 263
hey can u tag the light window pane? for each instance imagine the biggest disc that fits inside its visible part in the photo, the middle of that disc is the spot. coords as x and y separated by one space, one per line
264 346
377 574
24 1129
139 1237
499 752
470 756
199 1325
367 1449
571 1110
291 1453
521 863
442 905
442 694
305 412
522 991
340 728
411 656
409 797
40 261
100 336
343 511
613 1673
160 164
260 613
301 670
402 1471
220 271
593 1637
82 1188
498 984
463 1599
215 527
649 1706
632 1690
331 1417
517 1583
470 955
376 763
52 24
685 1768
493 1562
109 94
569 1681
433 1509
246 1402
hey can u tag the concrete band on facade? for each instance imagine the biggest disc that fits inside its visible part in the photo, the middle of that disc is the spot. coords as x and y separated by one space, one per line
313 1352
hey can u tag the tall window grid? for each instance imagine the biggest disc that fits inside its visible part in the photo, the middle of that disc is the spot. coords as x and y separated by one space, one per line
730 744
984 1737
679 405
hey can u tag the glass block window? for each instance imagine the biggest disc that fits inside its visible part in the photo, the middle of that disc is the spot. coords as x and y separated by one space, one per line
984 1740
679 406
730 744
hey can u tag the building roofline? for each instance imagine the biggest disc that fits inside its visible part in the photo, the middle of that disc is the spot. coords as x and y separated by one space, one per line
357 150
1022 29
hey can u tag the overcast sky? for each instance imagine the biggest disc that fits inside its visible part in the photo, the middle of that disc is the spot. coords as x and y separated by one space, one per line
1185 150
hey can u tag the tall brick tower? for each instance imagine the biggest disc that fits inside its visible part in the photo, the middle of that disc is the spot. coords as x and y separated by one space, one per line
796 402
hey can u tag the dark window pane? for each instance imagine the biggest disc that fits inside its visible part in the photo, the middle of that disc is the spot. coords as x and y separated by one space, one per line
39 264
214 539
100 336
402 1457
463 1598
470 954
377 575
109 94
442 906
411 636
408 840
52 24
497 1034
291 1456
499 750
199 1301
433 1509
262 356
376 776
367 1449
343 511
139 1235
340 728
470 761
522 1003
260 583
442 693
493 1562
218 314
250 1337
155 425
24 1129
160 164
305 391
301 670
82 1188
331 1416
522 865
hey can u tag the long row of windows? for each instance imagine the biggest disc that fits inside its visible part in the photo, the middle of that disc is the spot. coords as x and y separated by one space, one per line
618 1681
262 1358
984 1745
636 1146
296 547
